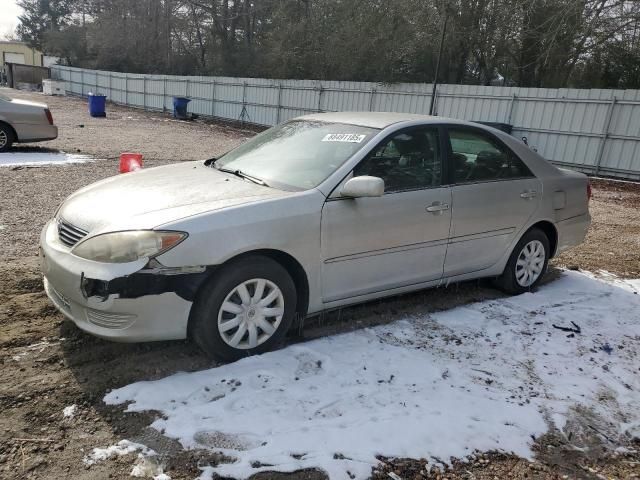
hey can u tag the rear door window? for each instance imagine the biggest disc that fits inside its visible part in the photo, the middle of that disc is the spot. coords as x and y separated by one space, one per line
476 157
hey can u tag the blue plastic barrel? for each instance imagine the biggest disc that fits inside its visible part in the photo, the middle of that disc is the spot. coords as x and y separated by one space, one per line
180 107
97 104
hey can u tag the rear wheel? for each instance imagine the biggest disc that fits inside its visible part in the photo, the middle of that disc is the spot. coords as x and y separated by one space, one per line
6 138
246 308
527 264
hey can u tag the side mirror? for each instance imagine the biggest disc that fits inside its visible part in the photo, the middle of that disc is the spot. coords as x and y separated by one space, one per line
364 186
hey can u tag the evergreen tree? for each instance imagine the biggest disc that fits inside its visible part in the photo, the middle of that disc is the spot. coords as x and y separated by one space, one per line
41 16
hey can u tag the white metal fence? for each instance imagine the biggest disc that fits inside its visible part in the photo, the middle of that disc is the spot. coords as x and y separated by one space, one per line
596 131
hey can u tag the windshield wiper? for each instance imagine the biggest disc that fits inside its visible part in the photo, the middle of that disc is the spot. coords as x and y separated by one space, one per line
241 174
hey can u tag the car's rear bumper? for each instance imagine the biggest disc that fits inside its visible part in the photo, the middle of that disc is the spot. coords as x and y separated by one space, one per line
146 318
35 133
572 232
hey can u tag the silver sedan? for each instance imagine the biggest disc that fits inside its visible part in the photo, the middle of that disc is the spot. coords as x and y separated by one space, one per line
24 121
320 212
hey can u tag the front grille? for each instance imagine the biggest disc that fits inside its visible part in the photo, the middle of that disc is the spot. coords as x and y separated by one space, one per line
68 234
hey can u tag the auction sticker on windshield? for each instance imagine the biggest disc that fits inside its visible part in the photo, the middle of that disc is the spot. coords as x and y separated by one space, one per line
344 137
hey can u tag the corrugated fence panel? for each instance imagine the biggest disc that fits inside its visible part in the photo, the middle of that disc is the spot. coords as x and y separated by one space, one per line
118 88
155 92
596 131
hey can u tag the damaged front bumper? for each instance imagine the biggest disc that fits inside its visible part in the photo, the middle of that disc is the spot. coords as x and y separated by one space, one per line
130 302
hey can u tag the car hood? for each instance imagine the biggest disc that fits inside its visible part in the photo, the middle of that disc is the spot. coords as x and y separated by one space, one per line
153 197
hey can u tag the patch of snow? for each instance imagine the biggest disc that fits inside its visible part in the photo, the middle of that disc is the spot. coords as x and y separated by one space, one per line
70 411
34 159
148 467
41 346
34 348
123 447
485 376
632 285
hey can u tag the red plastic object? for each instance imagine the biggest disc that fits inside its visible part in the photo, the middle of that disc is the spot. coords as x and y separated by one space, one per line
130 162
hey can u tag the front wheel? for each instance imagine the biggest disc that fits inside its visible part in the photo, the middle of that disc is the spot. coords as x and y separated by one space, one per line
245 308
527 263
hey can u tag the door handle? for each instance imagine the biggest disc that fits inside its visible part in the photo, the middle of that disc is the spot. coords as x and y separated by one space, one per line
437 208
529 194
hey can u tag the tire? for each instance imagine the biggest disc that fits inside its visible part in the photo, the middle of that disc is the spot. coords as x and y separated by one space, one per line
6 138
220 312
524 276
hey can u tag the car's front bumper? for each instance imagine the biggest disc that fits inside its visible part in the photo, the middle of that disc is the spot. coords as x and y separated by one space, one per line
162 316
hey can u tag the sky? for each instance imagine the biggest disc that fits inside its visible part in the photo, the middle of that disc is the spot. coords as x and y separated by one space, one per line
9 12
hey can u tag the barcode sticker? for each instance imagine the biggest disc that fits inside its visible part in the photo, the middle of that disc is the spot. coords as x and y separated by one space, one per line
344 137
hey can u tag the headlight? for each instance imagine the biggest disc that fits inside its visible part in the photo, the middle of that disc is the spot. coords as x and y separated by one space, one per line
123 247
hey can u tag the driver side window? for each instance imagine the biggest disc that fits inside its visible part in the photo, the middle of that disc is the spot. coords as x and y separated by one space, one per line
410 160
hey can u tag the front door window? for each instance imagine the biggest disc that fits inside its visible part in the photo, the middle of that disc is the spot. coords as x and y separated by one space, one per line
409 160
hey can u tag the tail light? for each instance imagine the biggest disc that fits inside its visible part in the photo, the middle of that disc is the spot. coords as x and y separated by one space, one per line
589 191
47 112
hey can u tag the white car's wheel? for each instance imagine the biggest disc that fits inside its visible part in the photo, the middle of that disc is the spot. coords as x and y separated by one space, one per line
6 138
245 308
530 263
527 264
251 313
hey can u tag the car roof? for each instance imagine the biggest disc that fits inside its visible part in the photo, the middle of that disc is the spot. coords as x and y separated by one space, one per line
376 119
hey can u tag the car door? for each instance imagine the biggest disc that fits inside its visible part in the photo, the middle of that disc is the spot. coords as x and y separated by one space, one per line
374 244
494 194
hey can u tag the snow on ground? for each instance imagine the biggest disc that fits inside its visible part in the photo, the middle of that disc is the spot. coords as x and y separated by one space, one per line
123 447
485 376
34 348
146 465
34 159
70 411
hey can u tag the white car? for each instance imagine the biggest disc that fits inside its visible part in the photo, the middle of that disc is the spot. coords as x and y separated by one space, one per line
24 121
323 211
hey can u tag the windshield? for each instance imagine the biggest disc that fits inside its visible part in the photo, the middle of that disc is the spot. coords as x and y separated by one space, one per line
298 154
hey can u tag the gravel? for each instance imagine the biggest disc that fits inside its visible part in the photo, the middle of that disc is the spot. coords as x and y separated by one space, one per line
158 136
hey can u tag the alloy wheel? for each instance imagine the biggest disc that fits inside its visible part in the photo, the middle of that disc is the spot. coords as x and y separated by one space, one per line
3 138
530 263
251 313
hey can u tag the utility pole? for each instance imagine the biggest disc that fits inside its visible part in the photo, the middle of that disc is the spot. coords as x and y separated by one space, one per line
435 80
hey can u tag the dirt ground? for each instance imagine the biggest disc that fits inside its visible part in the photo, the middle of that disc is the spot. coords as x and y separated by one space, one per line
48 364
